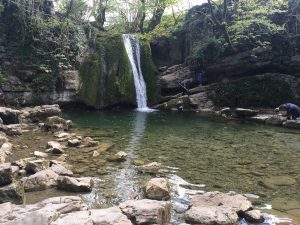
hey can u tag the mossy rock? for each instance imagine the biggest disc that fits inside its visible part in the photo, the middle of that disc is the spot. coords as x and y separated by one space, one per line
107 77
256 91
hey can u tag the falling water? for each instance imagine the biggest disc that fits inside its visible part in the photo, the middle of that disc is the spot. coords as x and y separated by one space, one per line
133 49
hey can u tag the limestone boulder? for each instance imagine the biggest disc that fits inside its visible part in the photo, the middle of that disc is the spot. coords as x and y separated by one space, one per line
40 113
275 120
173 77
12 129
293 124
244 113
35 166
216 208
40 181
147 211
5 150
3 138
74 142
61 170
72 184
13 192
158 189
110 216
40 154
89 142
254 216
21 163
56 123
9 116
6 174
42 213
54 147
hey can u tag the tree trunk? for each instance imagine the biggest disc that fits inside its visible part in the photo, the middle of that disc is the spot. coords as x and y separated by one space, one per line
157 14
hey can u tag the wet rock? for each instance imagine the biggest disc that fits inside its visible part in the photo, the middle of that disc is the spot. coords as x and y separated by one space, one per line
275 120
12 129
158 189
293 124
54 147
72 184
89 142
56 123
40 181
36 166
42 213
243 113
147 211
12 193
118 157
211 215
217 208
153 167
74 142
272 182
15 170
40 154
254 216
260 118
173 79
63 135
40 113
61 170
9 116
23 162
6 174
110 216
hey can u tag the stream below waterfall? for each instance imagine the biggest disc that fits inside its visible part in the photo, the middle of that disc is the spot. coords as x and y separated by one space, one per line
203 155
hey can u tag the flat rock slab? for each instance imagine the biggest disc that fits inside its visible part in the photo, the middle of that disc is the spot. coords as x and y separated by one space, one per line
147 211
110 216
293 124
43 213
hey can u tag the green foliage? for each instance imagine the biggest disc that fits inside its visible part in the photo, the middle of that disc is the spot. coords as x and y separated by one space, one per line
1 7
43 83
253 92
208 50
166 28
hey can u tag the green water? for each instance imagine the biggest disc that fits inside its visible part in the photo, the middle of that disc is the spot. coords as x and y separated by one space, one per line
222 155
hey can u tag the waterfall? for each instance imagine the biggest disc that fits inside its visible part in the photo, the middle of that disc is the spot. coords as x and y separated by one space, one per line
133 49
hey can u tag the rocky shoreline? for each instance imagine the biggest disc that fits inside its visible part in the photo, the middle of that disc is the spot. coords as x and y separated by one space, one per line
49 169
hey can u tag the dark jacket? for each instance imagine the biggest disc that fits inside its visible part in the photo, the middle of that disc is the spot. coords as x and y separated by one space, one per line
291 110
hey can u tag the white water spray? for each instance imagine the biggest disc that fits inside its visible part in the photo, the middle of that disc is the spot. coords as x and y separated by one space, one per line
133 49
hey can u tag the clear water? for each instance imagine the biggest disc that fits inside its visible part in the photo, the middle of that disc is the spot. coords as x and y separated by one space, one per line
219 155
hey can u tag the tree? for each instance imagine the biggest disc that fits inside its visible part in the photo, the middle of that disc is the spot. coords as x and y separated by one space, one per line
219 17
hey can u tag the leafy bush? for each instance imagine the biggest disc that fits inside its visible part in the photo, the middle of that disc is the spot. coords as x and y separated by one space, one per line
207 51
43 83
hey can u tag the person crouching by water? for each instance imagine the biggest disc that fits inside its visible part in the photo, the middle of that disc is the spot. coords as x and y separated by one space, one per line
292 110
185 84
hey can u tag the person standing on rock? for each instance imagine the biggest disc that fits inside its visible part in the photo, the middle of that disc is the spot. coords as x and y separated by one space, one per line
292 110
200 76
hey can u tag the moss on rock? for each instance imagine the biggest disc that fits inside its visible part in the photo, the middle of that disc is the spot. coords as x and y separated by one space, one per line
257 91
107 76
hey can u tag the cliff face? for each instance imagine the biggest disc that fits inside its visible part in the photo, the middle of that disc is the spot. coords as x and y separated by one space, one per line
107 78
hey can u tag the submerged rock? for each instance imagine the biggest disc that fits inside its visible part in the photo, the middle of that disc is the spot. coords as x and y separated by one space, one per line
272 182
147 211
158 189
73 184
118 157
153 167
